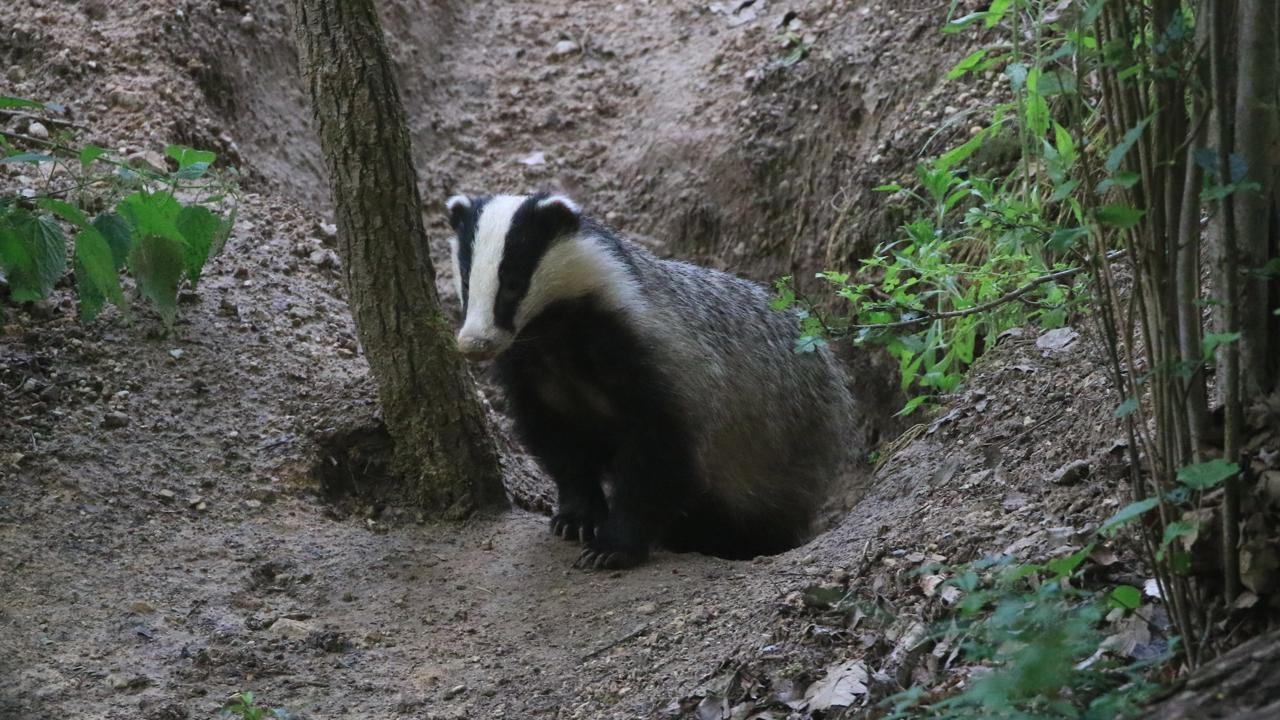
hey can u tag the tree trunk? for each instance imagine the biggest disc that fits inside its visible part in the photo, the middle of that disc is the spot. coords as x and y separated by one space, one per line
1257 142
1243 684
428 398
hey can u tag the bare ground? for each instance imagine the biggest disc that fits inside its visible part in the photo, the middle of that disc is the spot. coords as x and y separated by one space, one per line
152 569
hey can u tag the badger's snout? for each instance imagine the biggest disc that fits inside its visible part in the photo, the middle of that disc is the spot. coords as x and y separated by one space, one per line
477 348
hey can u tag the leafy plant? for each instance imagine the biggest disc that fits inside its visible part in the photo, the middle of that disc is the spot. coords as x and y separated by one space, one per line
160 226
1041 645
243 705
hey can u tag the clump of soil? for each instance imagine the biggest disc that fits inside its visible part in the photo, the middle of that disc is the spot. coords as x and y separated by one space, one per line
164 531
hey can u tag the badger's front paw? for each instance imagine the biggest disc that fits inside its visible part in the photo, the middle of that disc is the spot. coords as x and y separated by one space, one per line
602 554
574 525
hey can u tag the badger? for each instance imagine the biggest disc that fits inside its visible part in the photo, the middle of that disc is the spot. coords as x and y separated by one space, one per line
666 400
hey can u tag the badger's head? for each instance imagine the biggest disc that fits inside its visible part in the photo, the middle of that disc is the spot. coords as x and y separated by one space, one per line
515 255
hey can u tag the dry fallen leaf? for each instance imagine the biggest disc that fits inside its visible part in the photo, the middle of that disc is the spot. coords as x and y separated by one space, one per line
841 687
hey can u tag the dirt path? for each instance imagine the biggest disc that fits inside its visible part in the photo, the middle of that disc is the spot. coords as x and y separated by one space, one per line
152 569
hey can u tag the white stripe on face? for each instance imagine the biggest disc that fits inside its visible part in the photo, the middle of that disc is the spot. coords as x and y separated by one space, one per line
457 267
486 256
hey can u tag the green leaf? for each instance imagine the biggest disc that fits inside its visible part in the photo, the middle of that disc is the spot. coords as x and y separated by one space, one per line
1176 530
996 12
96 278
960 154
963 22
1017 73
1211 341
26 157
1126 408
1120 216
200 228
187 157
1063 238
1065 146
118 234
1206 475
1063 191
968 64
1119 151
33 254
911 406
1064 566
7 101
1127 515
158 263
1124 179
1056 83
89 154
1125 596
64 210
152 214
891 187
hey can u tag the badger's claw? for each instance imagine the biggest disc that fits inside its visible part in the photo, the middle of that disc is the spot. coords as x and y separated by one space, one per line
572 526
596 557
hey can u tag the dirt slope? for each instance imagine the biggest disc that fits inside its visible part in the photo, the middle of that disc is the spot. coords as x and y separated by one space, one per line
152 569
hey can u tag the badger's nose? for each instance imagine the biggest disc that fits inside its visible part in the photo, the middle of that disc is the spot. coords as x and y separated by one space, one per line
477 349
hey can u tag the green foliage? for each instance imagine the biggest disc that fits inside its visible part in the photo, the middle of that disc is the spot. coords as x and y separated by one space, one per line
244 706
162 230
971 243
1042 640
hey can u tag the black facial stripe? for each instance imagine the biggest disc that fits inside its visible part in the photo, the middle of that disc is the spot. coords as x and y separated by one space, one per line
531 234
465 228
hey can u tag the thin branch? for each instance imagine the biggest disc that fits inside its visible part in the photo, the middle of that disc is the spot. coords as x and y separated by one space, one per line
990 304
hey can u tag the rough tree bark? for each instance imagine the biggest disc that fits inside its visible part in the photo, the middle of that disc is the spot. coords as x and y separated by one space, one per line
1257 142
428 397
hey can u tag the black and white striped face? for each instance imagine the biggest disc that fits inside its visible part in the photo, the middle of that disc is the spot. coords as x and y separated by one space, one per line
512 256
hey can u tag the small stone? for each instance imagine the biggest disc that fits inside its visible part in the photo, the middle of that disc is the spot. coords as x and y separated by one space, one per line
564 47
1071 473
142 607
328 231
454 691
1057 339
324 258
247 22
176 354
115 420
165 495
37 130
647 608
290 629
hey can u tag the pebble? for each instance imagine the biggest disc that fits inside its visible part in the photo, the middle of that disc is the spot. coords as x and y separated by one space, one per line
166 495
1071 473
176 354
114 420
37 130
142 607
290 629
324 258
565 47
454 691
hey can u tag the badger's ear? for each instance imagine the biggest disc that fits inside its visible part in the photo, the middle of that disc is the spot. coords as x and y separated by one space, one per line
559 214
459 207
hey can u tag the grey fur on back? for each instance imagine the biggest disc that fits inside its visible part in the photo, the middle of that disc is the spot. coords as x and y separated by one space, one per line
772 427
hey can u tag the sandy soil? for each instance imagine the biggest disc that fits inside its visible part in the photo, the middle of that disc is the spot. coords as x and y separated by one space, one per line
152 569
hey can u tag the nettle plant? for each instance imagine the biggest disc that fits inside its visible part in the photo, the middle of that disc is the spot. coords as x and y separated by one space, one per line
160 227
977 256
